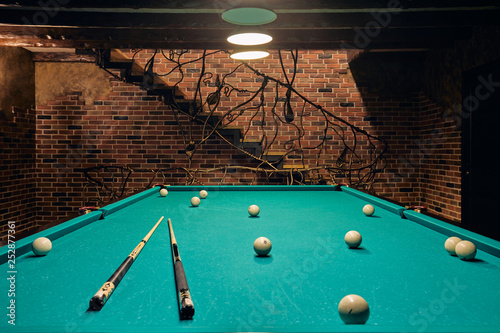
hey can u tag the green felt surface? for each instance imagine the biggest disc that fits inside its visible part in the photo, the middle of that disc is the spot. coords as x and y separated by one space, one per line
401 269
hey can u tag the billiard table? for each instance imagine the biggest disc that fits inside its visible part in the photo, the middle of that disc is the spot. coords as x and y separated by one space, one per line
401 269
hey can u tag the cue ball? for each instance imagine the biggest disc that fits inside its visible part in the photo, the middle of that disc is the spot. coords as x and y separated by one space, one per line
368 210
450 245
353 239
41 246
465 250
262 246
195 201
353 309
163 192
203 194
253 210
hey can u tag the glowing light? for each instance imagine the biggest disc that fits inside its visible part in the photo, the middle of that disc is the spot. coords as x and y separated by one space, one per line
249 38
249 54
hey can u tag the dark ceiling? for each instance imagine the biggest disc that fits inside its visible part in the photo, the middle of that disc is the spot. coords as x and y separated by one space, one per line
196 24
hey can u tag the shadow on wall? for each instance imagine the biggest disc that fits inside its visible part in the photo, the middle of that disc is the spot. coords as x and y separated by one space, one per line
55 79
17 71
389 74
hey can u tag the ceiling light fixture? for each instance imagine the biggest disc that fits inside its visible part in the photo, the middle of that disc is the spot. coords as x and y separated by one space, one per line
249 36
246 53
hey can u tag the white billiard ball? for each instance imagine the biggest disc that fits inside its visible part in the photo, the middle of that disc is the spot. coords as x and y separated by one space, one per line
163 192
466 250
41 246
195 201
353 309
253 210
368 210
450 245
353 239
203 194
262 246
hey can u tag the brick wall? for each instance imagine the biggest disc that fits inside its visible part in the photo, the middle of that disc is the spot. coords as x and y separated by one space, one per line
127 127
397 121
439 159
18 171
324 78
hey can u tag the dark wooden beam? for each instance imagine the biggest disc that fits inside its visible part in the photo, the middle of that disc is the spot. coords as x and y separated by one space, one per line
214 21
196 46
220 35
275 4
181 38
198 24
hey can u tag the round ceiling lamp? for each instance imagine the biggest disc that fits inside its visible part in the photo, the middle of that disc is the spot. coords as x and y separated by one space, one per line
249 16
249 37
244 53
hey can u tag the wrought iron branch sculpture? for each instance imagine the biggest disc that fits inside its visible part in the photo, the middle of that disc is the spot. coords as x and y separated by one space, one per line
359 154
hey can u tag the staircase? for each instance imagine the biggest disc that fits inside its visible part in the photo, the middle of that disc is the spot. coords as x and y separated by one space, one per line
134 73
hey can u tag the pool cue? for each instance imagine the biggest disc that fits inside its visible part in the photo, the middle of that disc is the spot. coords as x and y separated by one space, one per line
101 297
185 301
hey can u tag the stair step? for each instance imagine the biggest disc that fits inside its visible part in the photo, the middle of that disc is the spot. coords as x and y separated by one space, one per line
240 128
163 89
250 141
125 74
295 166
273 156
137 75
234 132
132 71
118 60
212 119
116 55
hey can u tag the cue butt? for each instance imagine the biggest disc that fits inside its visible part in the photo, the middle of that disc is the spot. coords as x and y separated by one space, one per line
187 309
101 297
185 301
